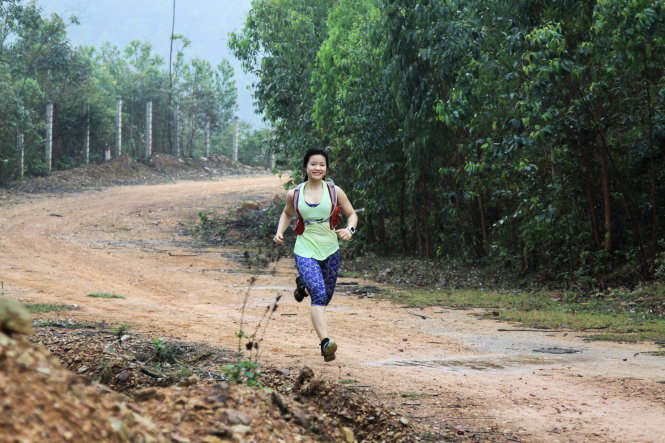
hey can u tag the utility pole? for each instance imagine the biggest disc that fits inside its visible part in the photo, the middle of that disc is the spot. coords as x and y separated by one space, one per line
169 108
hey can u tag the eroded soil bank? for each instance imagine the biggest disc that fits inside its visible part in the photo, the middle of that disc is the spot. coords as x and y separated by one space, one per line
443 369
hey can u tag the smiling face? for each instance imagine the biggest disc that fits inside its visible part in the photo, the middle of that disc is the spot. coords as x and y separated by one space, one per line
316 167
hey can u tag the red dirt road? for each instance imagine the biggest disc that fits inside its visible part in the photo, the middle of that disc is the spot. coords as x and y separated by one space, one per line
446 370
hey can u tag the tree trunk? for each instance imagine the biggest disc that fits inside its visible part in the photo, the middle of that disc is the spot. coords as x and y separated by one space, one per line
642 256
652 174
381 228
605 173
424 223
370 232
402 217
483 224
417 226
593 216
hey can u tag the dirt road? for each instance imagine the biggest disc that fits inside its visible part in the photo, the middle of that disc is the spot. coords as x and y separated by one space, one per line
447 369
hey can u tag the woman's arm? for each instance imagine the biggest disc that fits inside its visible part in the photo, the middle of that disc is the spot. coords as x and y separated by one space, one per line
285 218
349 212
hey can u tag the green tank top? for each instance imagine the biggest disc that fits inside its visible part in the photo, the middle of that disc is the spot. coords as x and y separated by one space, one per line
318 241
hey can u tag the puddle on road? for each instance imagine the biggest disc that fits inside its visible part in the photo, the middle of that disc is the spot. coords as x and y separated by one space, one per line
468 364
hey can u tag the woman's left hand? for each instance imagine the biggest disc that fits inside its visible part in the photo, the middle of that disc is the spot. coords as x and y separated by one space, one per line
344 234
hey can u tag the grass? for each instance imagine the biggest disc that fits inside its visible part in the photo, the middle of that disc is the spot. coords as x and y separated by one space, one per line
618 315
164 352
120 330
348 381
39 308
66 324
104 295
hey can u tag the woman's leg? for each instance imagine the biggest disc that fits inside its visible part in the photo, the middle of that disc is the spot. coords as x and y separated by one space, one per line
320 278
330 269
319 321
312 276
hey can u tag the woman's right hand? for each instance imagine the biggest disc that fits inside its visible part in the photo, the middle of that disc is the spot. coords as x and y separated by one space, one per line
279 239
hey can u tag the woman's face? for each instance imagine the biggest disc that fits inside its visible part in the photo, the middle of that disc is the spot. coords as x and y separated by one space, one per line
316 167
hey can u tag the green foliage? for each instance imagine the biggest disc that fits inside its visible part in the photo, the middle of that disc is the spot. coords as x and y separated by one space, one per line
121 330
38 66
620 314
660 262
244 372
209 227
254 146
48 307
66 324
163 351
104 295
529 132
278 44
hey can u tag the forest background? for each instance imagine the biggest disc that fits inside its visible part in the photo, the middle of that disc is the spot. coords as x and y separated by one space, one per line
526 134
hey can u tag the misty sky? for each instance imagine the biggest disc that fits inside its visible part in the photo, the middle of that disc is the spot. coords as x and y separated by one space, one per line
206 23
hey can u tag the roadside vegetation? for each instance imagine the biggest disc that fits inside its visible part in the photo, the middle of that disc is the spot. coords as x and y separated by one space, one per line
104 295
37 308
619 313
525 134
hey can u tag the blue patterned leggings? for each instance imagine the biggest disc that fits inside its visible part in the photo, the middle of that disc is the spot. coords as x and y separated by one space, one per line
320 277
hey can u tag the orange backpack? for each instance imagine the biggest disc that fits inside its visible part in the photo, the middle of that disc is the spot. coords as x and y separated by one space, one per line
333 218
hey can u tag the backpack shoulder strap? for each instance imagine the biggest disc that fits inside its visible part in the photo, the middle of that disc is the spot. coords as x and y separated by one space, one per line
296 195
333 193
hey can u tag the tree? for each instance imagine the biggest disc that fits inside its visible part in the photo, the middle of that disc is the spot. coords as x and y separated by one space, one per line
278 44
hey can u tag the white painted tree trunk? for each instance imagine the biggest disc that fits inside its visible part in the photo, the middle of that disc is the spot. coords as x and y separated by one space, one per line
148 131
235 138
207 139
118 127
176 135
86 142
21 151
49 137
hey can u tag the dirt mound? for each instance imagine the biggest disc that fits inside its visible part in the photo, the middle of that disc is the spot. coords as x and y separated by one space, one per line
125 170
185 390
44 401
41 401
200 167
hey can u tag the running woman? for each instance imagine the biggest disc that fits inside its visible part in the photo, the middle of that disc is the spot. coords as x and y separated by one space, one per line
317 248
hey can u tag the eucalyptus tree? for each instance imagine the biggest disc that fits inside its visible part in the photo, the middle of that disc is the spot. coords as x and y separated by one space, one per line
278 43
353 110
626 53
37 65
254 145
592 76
142 79
208 97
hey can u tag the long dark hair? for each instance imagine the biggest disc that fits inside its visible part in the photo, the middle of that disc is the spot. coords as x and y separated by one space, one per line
311 152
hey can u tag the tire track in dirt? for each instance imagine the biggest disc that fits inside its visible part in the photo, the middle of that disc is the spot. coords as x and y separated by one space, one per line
448 370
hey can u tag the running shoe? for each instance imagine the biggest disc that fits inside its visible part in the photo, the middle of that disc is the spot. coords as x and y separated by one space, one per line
328 350
301 291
